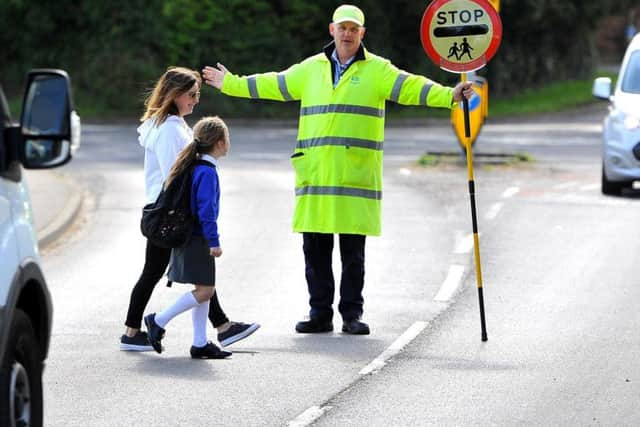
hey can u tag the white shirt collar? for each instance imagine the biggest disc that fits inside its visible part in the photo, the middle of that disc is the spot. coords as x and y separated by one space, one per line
209 159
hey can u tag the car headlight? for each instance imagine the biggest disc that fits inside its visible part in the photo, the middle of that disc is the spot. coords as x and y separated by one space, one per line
629 121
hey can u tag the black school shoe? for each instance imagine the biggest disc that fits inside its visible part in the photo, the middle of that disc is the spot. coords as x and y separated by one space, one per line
155 332
209 351
314 326
355 327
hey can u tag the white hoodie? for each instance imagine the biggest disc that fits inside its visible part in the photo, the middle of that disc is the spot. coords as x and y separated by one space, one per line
161 147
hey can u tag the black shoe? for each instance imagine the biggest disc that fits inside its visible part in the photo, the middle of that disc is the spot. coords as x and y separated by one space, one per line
355 327
209 351
138 342
236 332
313 326
156 333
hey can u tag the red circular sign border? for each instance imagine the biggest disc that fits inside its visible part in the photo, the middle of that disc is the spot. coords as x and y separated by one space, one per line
458 67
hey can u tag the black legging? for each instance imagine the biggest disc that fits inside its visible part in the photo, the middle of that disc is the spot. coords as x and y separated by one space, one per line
155 264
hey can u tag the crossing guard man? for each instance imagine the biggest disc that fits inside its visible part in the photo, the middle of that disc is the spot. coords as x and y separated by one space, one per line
338 155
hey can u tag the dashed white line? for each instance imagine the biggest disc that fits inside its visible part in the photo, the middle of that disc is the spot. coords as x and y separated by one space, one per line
509 192
494 210
465 244
308 416
446 292
590 187
404 339
564 185
450 284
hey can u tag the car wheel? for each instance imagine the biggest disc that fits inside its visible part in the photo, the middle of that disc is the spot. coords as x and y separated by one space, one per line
610 188
21 376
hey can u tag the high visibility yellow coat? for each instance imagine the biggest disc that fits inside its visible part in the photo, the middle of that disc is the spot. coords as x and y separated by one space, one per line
338 156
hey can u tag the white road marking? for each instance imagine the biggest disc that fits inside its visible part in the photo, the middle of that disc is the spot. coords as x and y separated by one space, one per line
564 185
405 171
509 192
464 244
493 211
583 199
450 284
308 416
404 339
590 187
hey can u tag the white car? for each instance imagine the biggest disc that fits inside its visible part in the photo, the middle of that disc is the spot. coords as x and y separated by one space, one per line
48 134
621 129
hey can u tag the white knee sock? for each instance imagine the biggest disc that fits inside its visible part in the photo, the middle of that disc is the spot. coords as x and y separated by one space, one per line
182 304
199 316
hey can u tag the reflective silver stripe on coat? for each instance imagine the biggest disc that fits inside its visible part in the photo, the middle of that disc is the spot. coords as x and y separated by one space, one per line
341 108
424 93
338 191
395 92
282 85
336 140
253 87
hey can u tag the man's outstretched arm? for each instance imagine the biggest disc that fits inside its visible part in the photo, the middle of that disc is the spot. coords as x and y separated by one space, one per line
273 86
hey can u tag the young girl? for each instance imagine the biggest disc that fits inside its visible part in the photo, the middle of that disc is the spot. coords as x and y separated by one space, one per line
163 133
195 261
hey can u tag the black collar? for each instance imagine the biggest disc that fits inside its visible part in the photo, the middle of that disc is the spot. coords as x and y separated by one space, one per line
328 50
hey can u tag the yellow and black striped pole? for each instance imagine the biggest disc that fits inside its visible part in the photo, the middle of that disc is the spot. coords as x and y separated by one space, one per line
474 220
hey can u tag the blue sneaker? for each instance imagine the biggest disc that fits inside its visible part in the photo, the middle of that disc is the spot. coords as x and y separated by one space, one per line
155 332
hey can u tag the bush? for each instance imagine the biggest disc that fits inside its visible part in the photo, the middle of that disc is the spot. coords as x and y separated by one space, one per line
114 51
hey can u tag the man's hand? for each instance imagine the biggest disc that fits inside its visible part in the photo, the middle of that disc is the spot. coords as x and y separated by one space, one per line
214 76
462 89
215 252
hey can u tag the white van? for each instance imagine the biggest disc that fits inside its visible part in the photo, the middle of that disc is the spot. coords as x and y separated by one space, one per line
621 128
48 134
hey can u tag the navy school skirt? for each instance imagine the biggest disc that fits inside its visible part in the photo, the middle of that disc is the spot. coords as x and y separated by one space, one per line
192 263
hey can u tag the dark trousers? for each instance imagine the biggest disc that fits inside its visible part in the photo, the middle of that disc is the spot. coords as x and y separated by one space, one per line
318 249
155 264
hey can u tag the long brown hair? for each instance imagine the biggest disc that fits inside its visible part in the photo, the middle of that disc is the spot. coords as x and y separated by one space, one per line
207 132
173 83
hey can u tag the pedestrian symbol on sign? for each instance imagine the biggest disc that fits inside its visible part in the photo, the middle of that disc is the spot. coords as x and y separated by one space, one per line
458 52
453 51
466 48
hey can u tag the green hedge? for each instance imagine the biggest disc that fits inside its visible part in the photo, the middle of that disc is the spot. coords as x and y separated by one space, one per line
114 51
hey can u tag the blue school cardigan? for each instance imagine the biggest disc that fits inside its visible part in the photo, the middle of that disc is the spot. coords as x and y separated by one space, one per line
205 201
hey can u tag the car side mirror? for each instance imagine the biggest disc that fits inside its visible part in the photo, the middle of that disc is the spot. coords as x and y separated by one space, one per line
49 125
602 88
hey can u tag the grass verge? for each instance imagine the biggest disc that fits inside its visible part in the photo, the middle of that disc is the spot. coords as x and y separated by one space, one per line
484 160
551 98
557 96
